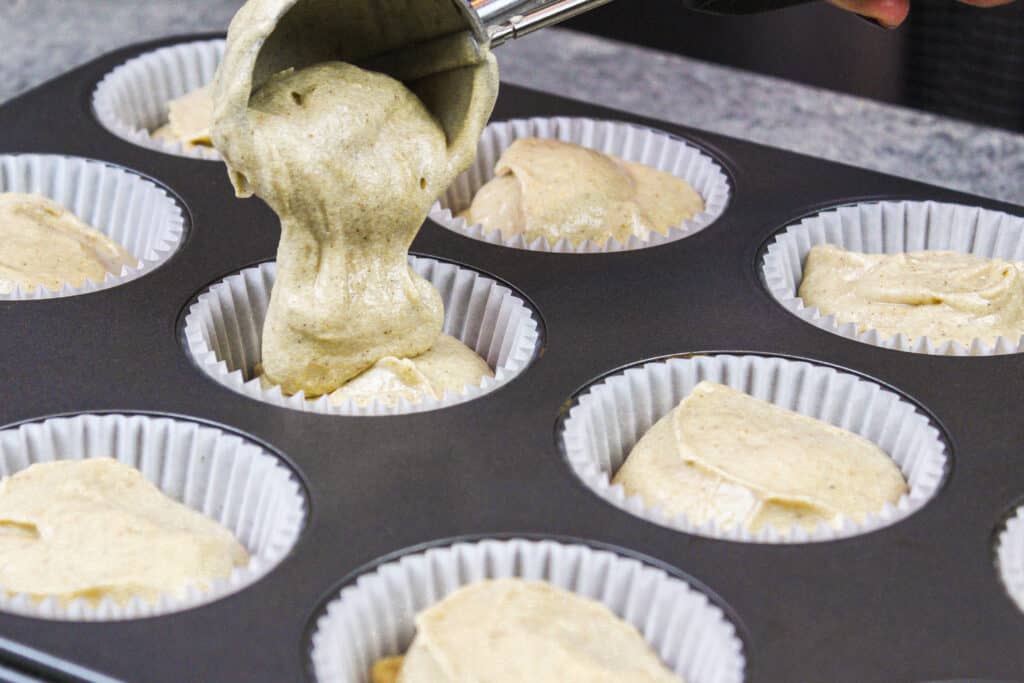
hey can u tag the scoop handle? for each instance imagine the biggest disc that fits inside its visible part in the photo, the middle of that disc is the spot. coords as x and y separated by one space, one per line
504 20
741 6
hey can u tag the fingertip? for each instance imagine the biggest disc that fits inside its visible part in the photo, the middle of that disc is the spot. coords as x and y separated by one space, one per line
891 13
885 13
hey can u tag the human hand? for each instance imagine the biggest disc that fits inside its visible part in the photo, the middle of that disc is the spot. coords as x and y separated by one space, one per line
892 13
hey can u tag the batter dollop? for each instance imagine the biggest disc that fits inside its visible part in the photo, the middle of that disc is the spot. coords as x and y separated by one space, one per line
350 160
44 244
722 454
449 366
513 630
97 528
554 189
942 295
189 119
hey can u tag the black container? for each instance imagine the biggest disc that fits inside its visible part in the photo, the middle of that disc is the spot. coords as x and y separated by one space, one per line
918 601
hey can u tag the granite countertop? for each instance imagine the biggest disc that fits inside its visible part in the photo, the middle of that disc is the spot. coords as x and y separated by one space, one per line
43 38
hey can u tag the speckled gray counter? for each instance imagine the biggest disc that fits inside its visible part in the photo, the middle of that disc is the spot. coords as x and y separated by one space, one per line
42 38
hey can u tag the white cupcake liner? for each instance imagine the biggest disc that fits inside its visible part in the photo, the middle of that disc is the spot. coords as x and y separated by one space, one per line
890 228
223 332
627 141
227 478
373 617
133 211
132 100
1010 557
611 416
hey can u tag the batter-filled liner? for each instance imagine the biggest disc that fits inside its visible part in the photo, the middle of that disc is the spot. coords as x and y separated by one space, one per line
372 617
626 141
231 480
890 228
133 211
612 415
223 332
131 101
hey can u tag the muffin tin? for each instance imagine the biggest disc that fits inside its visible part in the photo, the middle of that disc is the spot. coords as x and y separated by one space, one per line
919 600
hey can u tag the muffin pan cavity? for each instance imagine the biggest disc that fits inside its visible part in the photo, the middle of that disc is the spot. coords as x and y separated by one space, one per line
372 615
131 100
132 210
228 478
223 331
628 141
611 415
887 228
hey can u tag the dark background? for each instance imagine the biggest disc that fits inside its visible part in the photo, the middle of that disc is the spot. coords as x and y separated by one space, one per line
949 58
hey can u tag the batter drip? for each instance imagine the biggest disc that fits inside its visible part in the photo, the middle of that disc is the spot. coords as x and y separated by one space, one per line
350 160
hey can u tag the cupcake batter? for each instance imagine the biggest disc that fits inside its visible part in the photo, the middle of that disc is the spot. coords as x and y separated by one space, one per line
448 366
351 161
512 630
941 295
722 454
96 528
189 118
555 190
42 244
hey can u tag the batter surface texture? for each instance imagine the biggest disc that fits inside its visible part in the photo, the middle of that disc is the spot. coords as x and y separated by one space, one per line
44 244
97 528
189 119
553 189
942 295
724 455
512 630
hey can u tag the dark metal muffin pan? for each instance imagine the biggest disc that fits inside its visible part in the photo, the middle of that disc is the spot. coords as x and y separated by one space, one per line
918 601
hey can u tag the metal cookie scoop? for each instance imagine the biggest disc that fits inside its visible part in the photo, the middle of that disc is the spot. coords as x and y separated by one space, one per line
427 44
407 39
383 35
438 48
508 19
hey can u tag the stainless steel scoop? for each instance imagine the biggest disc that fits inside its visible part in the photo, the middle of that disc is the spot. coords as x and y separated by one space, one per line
507 19
442 34
407 39
424 43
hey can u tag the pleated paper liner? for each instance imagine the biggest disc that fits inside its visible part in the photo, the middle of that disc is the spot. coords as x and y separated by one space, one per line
624 140
229 479
133 211
372 617
223 332
1010 556
132 100
890 228
613 414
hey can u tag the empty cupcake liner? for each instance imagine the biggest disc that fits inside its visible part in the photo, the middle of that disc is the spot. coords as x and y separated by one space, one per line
613 414
624 140
373 616
1010 557
223 332
890 228
229 479
132 210
132 100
